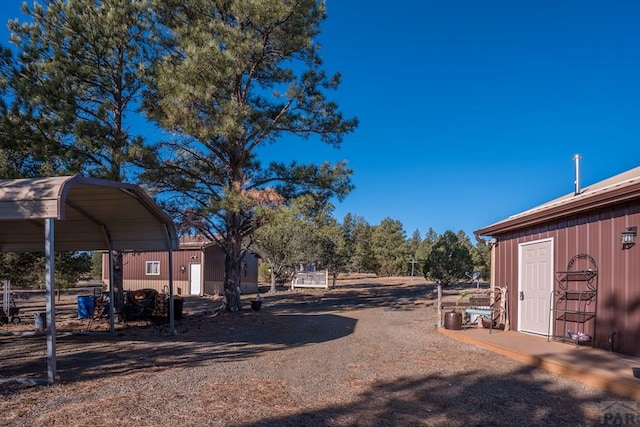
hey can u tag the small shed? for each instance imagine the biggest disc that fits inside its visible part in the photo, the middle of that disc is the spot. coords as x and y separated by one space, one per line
198 269
572 265
72 213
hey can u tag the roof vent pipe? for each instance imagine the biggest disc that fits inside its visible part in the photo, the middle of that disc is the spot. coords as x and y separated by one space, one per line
577 158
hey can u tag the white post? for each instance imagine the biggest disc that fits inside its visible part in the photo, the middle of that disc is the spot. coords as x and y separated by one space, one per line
49 253
6 295
439 305
112 294
413 263
172 323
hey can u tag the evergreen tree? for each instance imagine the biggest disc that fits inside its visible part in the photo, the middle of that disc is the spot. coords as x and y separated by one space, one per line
26 270
425 246
78 73
363 259
414 244
333 252
481 255
449 260
240 76
388 242
347 226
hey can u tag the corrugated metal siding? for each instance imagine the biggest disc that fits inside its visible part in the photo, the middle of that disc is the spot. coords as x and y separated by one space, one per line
213 268
180 287
250 276
134 270
598 234
214 272
212 262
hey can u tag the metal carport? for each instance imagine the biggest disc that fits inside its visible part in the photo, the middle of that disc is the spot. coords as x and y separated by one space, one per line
75 213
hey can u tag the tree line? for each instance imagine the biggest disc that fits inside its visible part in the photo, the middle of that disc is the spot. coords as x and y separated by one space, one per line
304 233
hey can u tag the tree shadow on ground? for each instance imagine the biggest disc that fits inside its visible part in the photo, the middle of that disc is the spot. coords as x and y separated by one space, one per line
287 319
200 340
402 296
465 399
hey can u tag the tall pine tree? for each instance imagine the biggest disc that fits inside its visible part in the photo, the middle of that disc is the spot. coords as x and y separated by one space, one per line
241 75
76 79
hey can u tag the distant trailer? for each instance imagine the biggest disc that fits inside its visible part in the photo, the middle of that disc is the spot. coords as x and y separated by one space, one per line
311 279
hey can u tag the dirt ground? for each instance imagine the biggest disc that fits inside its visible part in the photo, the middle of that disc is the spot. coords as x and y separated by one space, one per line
364 354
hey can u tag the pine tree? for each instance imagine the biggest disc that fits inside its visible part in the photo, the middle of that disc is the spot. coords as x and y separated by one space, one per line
240 76
77 76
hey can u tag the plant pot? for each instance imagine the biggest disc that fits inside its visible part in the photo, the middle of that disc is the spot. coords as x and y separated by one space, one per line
453 320
256 305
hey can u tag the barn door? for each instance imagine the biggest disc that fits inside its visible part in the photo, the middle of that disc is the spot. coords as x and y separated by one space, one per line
535 285
194 279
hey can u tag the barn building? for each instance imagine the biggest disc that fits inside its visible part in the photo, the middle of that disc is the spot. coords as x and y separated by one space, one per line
198 269
572 265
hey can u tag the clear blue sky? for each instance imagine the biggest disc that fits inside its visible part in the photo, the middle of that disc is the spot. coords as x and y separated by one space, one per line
471 111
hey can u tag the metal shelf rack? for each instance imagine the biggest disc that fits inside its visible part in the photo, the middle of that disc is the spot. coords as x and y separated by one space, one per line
573 302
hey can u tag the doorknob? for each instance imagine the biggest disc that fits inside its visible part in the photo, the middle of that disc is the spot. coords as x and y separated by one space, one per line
521 295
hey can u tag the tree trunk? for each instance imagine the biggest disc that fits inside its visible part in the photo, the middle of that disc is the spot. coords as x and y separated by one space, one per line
273 280
232 274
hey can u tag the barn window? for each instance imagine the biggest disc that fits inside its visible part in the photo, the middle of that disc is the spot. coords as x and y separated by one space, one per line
153 268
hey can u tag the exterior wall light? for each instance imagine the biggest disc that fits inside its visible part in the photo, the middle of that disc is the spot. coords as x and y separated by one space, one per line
629 237
182 269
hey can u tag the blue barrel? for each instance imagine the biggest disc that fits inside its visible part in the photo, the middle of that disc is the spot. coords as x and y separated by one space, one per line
85 306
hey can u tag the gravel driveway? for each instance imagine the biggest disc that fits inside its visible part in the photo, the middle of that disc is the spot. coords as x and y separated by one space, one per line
364 354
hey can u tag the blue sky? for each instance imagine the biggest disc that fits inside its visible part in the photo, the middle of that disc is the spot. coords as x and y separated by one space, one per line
471 111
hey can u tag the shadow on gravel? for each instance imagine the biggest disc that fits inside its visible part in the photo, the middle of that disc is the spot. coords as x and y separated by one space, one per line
287 319
352 297
200 340
468 399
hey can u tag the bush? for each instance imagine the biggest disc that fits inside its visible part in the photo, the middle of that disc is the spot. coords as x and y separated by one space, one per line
449 260
264 275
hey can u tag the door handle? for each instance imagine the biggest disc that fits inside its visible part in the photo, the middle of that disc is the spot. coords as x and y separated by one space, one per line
521 295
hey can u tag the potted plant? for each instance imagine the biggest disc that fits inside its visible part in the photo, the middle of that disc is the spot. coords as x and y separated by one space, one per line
453 318
256 304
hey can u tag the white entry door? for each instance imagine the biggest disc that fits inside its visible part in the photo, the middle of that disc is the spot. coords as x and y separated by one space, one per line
194 279
535 285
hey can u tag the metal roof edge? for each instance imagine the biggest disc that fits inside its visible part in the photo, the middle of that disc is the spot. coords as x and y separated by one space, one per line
599 196
63 190
132 190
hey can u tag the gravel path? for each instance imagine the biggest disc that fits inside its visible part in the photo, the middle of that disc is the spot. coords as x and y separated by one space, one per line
364 354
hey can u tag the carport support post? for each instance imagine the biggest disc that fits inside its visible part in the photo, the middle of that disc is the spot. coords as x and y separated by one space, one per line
439 305
172 323
49 262
112 310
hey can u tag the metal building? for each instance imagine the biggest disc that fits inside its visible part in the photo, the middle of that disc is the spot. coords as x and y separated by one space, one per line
532 251
198 269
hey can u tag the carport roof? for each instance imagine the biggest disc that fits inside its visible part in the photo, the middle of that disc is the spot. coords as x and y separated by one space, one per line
88 212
